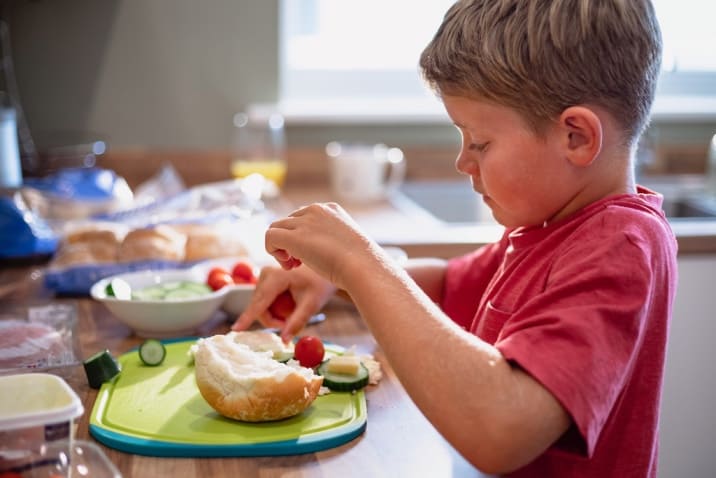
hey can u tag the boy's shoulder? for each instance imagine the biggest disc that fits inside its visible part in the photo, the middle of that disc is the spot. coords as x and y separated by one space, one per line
627 219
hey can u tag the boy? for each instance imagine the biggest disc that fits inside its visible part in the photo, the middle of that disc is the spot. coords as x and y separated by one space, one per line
553 339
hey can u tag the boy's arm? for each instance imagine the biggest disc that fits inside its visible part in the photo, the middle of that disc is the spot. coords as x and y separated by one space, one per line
494 413
429 274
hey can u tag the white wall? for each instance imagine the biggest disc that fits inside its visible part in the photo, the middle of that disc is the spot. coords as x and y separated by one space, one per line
688 420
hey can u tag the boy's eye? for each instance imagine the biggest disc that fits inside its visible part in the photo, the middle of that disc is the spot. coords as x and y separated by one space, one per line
479 147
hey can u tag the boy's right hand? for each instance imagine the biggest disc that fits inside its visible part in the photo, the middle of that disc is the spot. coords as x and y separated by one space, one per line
309 291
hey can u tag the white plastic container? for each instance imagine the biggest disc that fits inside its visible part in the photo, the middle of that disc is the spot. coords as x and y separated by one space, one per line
36 409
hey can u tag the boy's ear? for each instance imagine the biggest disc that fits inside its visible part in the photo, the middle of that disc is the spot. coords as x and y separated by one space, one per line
583 134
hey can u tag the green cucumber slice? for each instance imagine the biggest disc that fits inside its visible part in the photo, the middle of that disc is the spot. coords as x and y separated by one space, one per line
341 382
198 287
175 290
100 367
283 356
181 293
152 352
119 289
154 292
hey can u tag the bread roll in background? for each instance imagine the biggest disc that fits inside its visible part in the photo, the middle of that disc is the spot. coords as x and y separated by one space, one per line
210 242
250 386
156 243
89 244
101 242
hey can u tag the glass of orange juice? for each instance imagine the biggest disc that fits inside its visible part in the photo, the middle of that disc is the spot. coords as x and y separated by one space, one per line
259 147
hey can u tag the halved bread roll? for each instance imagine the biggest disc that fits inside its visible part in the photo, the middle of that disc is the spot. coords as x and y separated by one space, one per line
246 385
263 341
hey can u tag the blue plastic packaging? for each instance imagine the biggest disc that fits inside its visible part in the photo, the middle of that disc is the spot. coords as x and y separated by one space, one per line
78 183
23 233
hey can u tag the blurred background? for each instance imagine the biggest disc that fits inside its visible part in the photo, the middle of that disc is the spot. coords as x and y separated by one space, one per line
171 74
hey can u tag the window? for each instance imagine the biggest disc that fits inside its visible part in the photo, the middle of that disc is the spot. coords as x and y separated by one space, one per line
349 60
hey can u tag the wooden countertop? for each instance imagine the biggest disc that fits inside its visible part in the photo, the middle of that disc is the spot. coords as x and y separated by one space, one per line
398 440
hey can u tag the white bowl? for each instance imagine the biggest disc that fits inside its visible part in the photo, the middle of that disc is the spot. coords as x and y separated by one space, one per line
238 295
237 298
161 318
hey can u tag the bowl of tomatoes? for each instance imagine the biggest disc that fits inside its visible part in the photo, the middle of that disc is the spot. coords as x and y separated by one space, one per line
236 277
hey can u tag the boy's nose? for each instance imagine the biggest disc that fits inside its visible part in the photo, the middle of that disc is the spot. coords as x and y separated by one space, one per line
464 165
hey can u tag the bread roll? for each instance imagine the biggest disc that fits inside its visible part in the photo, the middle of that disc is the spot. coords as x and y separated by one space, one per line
89 244
94 252
156 243
250 386
98 234
211 242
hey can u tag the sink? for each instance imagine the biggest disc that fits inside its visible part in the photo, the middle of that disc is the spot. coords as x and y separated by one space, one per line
690 207
454 201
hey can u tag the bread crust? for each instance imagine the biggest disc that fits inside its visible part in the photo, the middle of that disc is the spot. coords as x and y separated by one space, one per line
250 386
160 242
209 243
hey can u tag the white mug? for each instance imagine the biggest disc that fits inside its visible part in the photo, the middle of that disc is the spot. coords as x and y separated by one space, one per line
362 173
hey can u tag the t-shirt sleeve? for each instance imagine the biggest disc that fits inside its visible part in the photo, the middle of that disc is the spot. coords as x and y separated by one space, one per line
580 337
466 280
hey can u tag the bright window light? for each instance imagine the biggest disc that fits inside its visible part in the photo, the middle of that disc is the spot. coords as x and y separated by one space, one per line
343 58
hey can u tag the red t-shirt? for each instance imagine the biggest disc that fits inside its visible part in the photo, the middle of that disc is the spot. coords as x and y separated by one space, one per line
583 305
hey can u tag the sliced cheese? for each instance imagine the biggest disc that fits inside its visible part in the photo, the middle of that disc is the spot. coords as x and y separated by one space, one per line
345 364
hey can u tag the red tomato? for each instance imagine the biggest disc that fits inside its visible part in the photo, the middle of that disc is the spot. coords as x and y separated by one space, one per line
309 351
218 277
243 273
283 305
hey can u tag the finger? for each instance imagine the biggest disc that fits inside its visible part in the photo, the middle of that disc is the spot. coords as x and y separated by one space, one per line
285 260
243 322
264 294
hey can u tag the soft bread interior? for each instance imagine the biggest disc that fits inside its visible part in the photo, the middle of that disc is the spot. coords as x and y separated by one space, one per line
261 341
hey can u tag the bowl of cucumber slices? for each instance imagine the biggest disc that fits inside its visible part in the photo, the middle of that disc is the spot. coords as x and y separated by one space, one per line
160 303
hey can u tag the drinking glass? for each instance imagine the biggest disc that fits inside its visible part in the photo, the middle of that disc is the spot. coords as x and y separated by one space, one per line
259 147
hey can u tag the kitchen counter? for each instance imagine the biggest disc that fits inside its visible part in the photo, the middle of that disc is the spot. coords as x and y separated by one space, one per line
398 440
398 221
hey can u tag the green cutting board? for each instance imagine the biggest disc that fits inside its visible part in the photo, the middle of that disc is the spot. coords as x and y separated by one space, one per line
158 411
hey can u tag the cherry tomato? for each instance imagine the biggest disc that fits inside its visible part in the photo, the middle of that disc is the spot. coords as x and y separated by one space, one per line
309 351
283 305
243 273
218 277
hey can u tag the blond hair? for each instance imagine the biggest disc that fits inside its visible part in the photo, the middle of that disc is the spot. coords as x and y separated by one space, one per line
542 56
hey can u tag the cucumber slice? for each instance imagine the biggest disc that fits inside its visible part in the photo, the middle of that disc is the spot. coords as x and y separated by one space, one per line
176 290
100 367
197 287
282 356
341 382
152 352
154 292
119 289
181 293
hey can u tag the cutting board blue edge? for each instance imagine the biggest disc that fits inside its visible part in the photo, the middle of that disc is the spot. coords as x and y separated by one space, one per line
163 448
138 446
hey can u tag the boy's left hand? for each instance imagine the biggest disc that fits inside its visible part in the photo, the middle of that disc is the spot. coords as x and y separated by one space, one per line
323 237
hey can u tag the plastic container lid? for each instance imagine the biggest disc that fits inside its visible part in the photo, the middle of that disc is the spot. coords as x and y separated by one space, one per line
34 399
